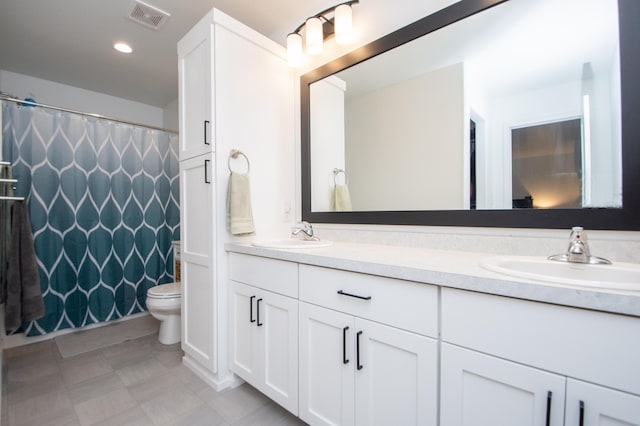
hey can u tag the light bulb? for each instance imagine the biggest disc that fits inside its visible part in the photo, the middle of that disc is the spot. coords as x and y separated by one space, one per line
123 47
343 24
294 49
314 36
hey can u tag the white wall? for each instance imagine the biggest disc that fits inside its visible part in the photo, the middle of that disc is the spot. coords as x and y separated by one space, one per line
170 115
62 95
405 148
327 128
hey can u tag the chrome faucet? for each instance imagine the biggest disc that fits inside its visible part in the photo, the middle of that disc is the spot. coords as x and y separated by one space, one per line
306 229
578 250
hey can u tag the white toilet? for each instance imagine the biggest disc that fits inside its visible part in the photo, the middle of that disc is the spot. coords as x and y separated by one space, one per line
163 303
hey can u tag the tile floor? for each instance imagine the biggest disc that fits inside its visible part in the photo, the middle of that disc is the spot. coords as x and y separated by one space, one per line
138 382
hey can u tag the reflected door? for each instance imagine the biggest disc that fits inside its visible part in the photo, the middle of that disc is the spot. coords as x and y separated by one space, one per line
546 163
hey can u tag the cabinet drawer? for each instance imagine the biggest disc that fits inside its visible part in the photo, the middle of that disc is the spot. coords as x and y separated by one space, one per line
403 304
274 275
593 346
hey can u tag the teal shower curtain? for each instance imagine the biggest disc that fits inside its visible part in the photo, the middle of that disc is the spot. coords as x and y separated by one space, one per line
104 207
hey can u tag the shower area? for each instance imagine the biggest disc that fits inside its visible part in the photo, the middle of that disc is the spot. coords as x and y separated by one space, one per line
102 198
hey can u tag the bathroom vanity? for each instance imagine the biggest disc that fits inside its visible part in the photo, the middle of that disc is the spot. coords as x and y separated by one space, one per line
367 334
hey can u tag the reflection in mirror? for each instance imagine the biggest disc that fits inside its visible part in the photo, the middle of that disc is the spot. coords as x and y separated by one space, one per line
547 165
450 120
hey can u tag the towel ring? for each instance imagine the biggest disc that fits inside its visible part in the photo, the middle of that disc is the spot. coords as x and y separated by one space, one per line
235 153
336 172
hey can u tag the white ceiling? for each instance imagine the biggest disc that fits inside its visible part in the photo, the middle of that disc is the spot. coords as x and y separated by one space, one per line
70 41
518 46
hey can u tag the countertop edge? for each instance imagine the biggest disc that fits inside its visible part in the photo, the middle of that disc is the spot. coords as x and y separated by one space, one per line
473 279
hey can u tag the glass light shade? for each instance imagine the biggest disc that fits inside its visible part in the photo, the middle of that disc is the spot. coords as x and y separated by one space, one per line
314 36
343 24
294 49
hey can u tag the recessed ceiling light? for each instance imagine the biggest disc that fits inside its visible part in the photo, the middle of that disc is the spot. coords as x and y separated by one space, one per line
123 47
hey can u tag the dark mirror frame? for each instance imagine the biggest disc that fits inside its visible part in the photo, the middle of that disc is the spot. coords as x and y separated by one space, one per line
625 218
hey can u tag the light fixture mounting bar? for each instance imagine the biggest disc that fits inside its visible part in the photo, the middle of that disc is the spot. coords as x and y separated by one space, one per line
321 15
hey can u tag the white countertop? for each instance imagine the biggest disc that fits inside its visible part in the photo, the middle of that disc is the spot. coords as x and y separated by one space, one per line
455 269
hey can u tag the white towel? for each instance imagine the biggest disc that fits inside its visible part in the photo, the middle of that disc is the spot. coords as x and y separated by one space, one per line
341 198
239 214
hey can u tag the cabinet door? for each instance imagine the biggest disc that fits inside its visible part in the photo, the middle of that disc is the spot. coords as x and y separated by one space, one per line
327 361
196 219
244 346
195 75
263 341
396 376
277 337
591 405
478 389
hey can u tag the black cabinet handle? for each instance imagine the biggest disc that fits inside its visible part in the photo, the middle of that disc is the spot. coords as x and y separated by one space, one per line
344 345
258 309
581 418
206 166
251 309
549 396
354 295
358 366
206 124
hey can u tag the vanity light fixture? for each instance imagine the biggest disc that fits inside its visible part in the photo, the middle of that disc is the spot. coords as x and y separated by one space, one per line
336 20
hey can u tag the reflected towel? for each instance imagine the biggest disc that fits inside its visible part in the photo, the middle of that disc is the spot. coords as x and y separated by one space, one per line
341 198
24 296
5 229
239 215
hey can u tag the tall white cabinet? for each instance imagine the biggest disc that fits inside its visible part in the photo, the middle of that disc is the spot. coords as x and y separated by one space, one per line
235 93
197 227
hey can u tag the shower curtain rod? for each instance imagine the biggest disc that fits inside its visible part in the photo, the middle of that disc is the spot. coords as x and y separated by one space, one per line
87 114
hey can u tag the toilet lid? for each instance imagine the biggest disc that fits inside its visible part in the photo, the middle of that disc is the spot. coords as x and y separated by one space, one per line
165 291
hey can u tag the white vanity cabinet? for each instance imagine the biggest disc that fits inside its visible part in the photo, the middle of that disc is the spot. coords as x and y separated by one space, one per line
263 326
479 389
368 349
589 404
514 362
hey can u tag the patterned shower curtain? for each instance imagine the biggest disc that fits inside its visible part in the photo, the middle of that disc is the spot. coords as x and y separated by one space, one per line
104 207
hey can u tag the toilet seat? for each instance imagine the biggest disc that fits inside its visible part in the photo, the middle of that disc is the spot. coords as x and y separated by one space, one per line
165 291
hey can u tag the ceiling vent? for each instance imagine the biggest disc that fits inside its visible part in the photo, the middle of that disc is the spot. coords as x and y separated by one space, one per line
147 15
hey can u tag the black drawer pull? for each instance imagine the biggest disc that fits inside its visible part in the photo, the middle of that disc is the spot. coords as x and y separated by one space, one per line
206 164
206 124
549 396
344 345
354 295
258 309
581 421
358 366
251 319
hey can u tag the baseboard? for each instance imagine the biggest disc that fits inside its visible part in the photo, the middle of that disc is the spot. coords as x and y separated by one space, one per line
215 382
19 339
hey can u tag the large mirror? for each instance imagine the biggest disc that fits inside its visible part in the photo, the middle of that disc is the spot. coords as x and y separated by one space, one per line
487 113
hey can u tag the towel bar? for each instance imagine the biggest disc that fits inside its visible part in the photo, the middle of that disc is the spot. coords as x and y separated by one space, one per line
336 172
234 155
8 193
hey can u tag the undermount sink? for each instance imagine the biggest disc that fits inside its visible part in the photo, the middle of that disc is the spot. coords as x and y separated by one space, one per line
291 244
619 276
